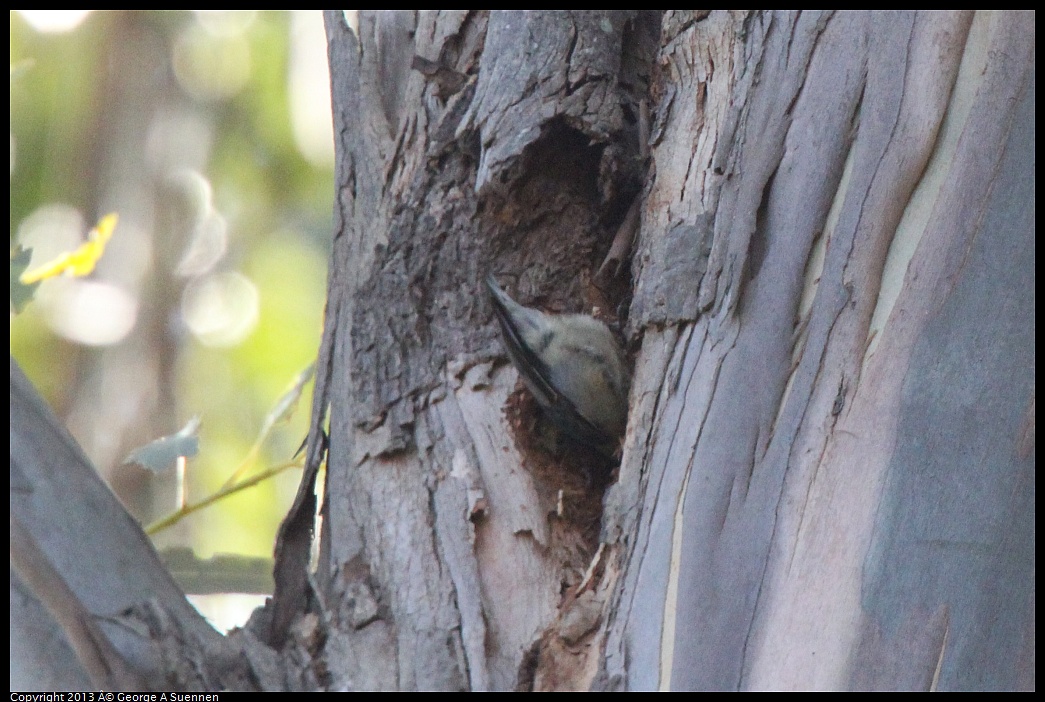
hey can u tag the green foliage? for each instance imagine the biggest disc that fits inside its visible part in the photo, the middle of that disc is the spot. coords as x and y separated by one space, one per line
144 113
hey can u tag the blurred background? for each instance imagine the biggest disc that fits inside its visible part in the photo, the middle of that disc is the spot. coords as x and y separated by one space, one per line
209 133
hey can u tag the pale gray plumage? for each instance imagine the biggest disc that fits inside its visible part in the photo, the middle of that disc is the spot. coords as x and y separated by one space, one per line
572 364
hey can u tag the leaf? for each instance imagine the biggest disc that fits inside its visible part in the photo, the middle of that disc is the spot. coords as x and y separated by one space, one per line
282 411
284 408
21 293
80 262
161 453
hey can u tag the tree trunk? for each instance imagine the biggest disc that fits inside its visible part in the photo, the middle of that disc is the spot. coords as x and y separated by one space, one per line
835 470
828 475
828 362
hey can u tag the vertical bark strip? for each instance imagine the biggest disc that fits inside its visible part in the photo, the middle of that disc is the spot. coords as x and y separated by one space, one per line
827 500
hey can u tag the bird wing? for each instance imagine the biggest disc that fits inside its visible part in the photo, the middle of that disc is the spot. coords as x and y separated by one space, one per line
561 410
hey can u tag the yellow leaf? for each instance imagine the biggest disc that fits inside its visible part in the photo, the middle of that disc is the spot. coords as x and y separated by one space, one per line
80 262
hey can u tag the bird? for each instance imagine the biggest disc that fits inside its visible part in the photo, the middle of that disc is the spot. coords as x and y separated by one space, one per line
573 365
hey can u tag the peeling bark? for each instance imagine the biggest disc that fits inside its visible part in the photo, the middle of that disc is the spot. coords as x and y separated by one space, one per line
828 475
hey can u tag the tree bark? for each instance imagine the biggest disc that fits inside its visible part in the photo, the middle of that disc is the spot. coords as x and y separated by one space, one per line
469 143
828 475
825 349
836 470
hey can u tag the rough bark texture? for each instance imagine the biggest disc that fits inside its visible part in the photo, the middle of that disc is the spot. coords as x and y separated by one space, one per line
828 477
469 143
